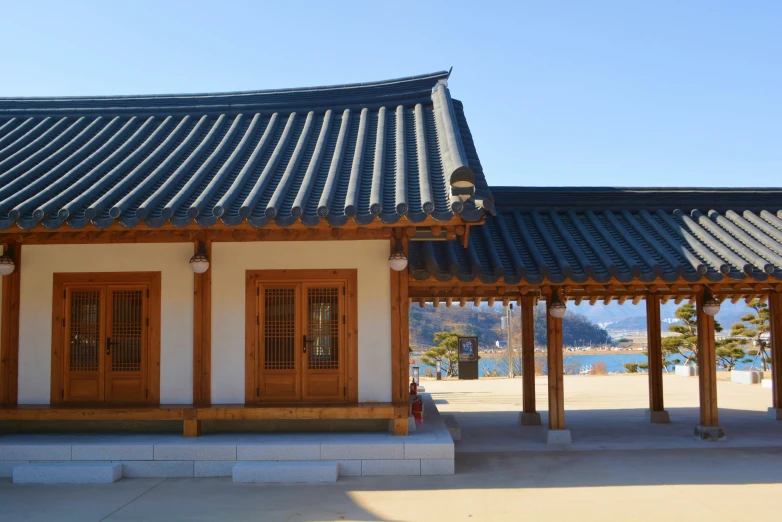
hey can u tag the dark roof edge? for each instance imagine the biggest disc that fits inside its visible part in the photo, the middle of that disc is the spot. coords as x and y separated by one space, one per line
666 198
435 76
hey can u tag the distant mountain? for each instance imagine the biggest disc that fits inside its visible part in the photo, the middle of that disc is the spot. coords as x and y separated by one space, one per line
486 323
633 317
583 324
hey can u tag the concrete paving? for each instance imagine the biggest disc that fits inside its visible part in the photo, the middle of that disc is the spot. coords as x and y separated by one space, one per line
603 413
712 484
497 477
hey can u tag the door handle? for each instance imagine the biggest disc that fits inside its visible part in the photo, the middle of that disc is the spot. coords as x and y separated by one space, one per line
108 345
304 344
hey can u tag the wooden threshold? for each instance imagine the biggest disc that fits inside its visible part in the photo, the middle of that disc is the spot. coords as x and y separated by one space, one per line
43 412
292 412
191 415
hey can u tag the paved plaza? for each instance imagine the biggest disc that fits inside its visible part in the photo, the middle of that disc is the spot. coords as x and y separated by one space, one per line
503 472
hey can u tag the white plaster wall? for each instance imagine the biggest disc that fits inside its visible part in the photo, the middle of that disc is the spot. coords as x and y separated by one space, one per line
230 261
35 329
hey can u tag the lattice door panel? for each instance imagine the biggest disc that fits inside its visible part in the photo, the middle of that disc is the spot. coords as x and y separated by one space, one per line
278 339
323 313
126 344
84 329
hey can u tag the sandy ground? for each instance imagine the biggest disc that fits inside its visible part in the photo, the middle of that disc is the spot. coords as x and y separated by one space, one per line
498 477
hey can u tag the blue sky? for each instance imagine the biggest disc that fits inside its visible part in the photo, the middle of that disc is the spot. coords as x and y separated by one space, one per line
556 93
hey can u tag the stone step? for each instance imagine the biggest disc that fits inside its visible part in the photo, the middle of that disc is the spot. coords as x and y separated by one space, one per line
67 473
453 427
288 471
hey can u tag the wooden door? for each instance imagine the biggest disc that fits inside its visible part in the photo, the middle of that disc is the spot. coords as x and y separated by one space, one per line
323 318
279 336
106 344
126 347
84 329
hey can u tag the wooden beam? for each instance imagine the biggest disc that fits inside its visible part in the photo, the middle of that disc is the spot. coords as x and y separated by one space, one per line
400 392
404 326
775 320
9 329
202 332
39 412
707 366
299 412
528 353
556 380
655 351
45 412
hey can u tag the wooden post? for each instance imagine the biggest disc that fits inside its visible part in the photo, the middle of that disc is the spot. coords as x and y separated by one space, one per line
708 429
9 329
400 334
191 426
556 386
775 320
202 331
656 412
529 416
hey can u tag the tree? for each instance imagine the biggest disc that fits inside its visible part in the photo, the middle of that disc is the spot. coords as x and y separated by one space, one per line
686 343
446 353
758 324
729 352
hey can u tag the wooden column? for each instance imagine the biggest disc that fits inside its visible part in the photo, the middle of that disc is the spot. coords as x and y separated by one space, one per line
529 416
775 320
708 429
202 332
400 341
9 329
656 413
556 390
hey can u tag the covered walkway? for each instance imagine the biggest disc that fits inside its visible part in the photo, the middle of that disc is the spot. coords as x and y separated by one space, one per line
603 413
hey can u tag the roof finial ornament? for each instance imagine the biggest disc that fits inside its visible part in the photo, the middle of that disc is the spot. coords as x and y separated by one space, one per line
441 81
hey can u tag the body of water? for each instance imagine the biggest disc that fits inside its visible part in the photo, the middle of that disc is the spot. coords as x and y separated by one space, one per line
614 362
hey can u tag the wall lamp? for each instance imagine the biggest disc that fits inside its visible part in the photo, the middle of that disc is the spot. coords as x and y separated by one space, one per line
199 263
398 260
7 264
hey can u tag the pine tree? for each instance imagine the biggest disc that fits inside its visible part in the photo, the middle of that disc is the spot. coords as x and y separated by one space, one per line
758 325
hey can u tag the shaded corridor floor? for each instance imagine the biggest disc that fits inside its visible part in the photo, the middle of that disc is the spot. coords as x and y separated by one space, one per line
713 484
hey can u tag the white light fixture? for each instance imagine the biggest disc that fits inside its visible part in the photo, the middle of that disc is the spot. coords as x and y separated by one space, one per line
557 308
199 263
398 260
7 264
711 306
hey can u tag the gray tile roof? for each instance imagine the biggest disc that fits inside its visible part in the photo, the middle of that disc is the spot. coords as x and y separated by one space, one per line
384 150
603 234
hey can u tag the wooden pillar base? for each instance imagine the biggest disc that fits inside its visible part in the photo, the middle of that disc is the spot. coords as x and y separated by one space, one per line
401 426
559 437
710 433
191 428
529 419
774 413
657 417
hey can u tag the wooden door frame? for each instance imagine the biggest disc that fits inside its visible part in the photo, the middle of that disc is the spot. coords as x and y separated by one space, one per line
153 279
349 276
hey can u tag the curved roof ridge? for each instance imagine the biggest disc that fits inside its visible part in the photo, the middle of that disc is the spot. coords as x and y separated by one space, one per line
396 88
667 198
